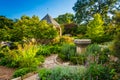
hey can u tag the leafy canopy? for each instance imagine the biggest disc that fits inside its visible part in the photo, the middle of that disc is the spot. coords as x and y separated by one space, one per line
65 18
85 9
6 22
27 27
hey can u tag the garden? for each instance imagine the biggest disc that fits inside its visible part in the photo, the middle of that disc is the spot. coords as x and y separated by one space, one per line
32 46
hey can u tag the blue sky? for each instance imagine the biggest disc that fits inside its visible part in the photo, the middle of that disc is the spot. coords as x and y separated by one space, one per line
17 8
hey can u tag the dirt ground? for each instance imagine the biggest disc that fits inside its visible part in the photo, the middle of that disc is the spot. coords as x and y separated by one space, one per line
6 73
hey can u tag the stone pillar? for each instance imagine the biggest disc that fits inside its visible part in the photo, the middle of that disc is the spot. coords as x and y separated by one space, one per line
81 45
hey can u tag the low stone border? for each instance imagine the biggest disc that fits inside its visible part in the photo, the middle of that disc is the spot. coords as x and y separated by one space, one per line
64 64
55 60
18 78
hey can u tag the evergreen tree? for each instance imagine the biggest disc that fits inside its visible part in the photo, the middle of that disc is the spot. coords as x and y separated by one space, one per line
95 28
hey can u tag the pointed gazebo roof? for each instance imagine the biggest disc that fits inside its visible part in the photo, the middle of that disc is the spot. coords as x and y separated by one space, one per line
50 20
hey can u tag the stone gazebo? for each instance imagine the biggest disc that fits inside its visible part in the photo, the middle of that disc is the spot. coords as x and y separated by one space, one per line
50 20
81 45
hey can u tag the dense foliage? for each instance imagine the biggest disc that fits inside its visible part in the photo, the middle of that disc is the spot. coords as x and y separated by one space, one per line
5 22
67 51
21 72
85 9
33 28
95 29
22 57
65 18
62 73
93 72
100 72
27 28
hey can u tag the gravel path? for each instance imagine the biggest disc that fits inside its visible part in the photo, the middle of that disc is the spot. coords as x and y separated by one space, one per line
50 61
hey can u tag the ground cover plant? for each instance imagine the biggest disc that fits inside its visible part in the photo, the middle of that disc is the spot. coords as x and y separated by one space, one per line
92 72
63 73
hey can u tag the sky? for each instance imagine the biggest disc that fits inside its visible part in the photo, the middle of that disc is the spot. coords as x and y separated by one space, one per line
16 8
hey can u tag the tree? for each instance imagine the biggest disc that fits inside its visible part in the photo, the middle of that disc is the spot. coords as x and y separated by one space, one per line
70 28
27 28
44 31
65 18
113 27
116 22
22 28
95 29
6 22
116 33
6 25
81 29
85 9
5 34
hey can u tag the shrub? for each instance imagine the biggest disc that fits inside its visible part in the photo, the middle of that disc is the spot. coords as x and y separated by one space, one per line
66 39
55 49
70 28
27 56
40 58
78 59
93 72
97 53
3 50
44 50
93 51
22 57
103 57
9 58
44 74
81 29
115 65
67 51
63 73
23 71
27 27
55 41
99 72
62 40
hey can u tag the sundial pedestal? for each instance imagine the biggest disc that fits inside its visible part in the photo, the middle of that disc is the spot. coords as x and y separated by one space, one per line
81 45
